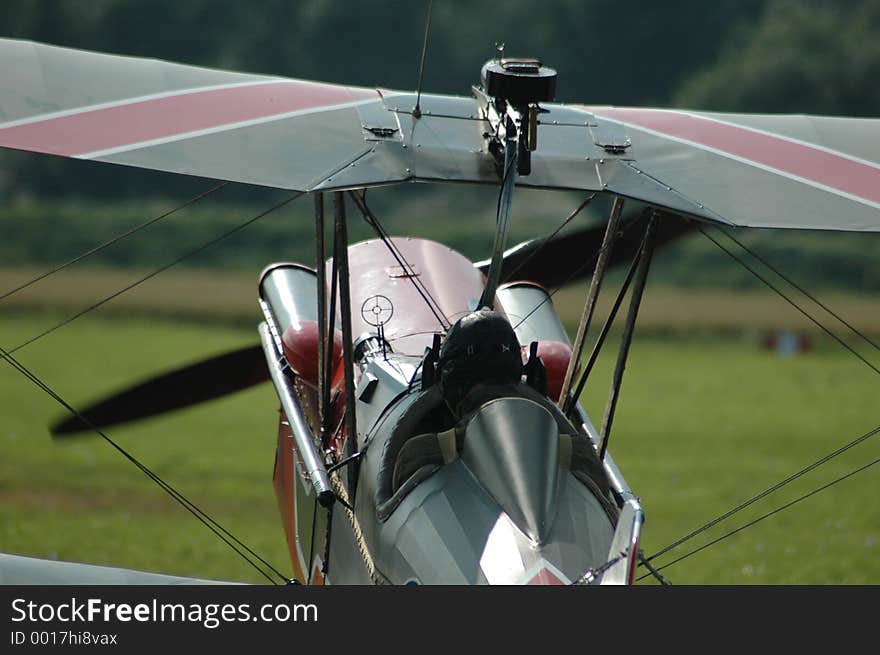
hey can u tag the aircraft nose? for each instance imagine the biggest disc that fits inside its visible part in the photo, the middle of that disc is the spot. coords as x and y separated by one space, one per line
547 575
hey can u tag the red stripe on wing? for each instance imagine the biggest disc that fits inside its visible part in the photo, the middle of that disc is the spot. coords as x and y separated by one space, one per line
93 130
776 152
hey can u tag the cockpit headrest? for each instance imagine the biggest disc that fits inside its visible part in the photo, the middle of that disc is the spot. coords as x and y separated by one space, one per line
480 347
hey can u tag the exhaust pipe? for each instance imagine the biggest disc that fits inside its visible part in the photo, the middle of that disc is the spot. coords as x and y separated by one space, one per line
302 434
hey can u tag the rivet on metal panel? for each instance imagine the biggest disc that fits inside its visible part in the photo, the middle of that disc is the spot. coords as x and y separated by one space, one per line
601 161
408 171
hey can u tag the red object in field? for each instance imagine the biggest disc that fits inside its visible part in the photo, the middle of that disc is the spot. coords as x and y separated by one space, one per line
555 355
787 343
300 343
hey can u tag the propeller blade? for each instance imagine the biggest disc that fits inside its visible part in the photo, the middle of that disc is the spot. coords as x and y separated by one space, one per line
205 380
555 263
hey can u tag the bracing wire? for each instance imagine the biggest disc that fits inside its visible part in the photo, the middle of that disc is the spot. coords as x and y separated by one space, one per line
548 239
419 286
417 110
603 334
647 561
222 533
590 261
767 515
204 518
782 275
791 478
791 302
154 273
116 239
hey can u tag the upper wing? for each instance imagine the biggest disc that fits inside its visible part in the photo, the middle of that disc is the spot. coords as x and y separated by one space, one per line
183 119
735 169
808 172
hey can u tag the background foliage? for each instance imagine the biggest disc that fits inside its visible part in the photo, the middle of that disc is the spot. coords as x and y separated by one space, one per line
812 56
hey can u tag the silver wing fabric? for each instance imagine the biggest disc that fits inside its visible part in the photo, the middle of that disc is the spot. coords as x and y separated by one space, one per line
735 169
18 570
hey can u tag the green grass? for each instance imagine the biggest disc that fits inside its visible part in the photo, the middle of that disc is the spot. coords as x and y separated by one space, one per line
703 423
80 500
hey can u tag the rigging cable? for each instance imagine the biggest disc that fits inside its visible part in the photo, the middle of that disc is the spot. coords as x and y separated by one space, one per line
420 287
787 299
799 288
417 110
769 514
652 571
589 576
767 492
156 272
115 239
546 240
577 271
821 461
606 328
221 532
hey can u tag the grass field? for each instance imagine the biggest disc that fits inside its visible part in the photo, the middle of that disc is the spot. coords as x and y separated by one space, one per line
705 421
211 295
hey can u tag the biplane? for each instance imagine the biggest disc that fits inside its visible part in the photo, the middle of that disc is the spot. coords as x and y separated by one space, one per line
430 430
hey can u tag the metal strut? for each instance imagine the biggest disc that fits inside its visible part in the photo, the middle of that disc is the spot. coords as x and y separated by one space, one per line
340 262
603 334
323 334
502 222
626 339
590 305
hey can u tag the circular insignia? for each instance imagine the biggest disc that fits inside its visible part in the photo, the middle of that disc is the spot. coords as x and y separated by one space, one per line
377 310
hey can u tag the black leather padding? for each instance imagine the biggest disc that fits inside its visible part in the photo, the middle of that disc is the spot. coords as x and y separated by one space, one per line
414 447
427 414
415 453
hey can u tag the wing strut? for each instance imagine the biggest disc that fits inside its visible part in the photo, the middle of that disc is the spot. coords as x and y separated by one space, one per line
340 262
323 335
590 305
635 301
569 409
